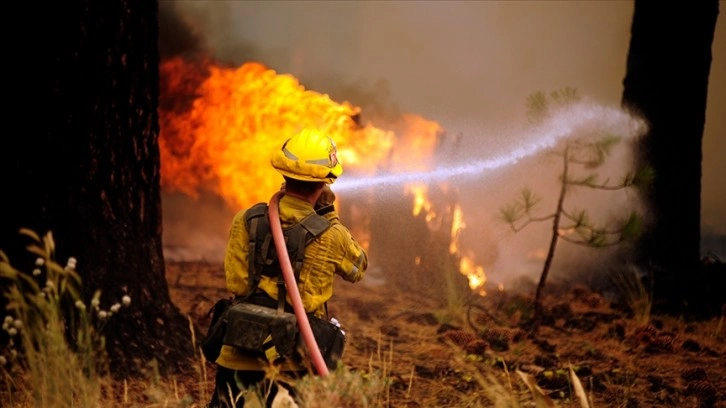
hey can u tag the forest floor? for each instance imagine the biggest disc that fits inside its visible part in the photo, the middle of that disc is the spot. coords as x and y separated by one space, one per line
436 356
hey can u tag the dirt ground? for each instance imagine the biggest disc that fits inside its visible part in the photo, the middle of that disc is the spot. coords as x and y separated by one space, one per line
666 362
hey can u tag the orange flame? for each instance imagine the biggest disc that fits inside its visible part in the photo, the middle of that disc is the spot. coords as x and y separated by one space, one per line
457 225
238 117
420 201
474 272
467 266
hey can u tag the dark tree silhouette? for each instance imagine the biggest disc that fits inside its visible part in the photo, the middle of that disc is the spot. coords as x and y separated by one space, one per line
666 82
88 171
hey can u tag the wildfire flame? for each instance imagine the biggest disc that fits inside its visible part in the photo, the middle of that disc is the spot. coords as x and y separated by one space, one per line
219 125
237 118
420 201
422 205
467 266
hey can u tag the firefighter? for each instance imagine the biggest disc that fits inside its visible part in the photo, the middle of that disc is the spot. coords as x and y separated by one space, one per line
308 163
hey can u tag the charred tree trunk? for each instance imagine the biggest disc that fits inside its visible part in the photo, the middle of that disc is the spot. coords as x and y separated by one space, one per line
666 82
89 173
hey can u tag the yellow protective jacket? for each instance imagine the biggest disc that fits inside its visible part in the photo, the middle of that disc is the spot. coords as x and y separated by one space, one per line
334 252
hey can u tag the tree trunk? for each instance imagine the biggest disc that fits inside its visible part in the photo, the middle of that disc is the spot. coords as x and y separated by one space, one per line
553 243
89 170
666 82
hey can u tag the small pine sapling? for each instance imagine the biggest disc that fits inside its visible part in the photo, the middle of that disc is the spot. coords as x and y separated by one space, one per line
580 157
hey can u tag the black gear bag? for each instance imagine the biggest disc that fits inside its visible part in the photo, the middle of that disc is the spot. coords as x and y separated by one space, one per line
256 323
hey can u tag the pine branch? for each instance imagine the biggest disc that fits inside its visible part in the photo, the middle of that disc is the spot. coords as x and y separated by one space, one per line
529 220
590 244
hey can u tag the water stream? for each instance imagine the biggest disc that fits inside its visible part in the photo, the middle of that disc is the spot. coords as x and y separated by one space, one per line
578 119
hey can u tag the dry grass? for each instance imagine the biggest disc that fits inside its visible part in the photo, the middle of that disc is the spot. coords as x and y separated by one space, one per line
421 372
637 296
54 352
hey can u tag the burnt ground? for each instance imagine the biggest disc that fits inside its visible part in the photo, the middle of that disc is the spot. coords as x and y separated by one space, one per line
435 356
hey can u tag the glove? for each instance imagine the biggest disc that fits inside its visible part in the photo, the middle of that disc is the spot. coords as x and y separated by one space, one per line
327 197
325 201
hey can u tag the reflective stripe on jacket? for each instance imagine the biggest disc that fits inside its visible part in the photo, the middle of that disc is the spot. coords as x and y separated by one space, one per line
334 252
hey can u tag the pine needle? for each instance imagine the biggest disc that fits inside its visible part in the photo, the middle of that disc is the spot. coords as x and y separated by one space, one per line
540 398
579 390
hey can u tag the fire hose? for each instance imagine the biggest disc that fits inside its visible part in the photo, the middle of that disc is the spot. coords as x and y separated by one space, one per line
287 273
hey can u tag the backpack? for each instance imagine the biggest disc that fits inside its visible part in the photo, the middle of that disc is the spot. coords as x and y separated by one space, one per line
262 256
249 322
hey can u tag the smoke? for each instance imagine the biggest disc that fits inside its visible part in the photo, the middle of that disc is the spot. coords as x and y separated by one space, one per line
177 35
467 65
507 255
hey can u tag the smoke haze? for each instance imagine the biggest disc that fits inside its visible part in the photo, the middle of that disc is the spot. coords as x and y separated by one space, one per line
467 65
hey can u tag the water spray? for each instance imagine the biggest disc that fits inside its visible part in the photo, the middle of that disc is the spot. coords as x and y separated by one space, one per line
560 126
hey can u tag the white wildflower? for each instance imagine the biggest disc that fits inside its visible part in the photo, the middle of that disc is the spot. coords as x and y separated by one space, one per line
115 308
8 319
71 265
39 262
80 305
3 360
6 326
126 300
36 272
18 324
12 331
95 302
49 285
102 314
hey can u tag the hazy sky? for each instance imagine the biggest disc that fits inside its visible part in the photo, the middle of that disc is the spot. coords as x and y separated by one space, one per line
467 65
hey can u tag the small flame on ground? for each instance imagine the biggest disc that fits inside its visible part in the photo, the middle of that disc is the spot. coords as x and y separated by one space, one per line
420 201
474 272
422 204
457 224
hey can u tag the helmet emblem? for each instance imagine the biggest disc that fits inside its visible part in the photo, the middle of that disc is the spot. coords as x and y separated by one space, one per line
333 155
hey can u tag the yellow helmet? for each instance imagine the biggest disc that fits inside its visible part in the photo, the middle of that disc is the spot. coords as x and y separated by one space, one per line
308 156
